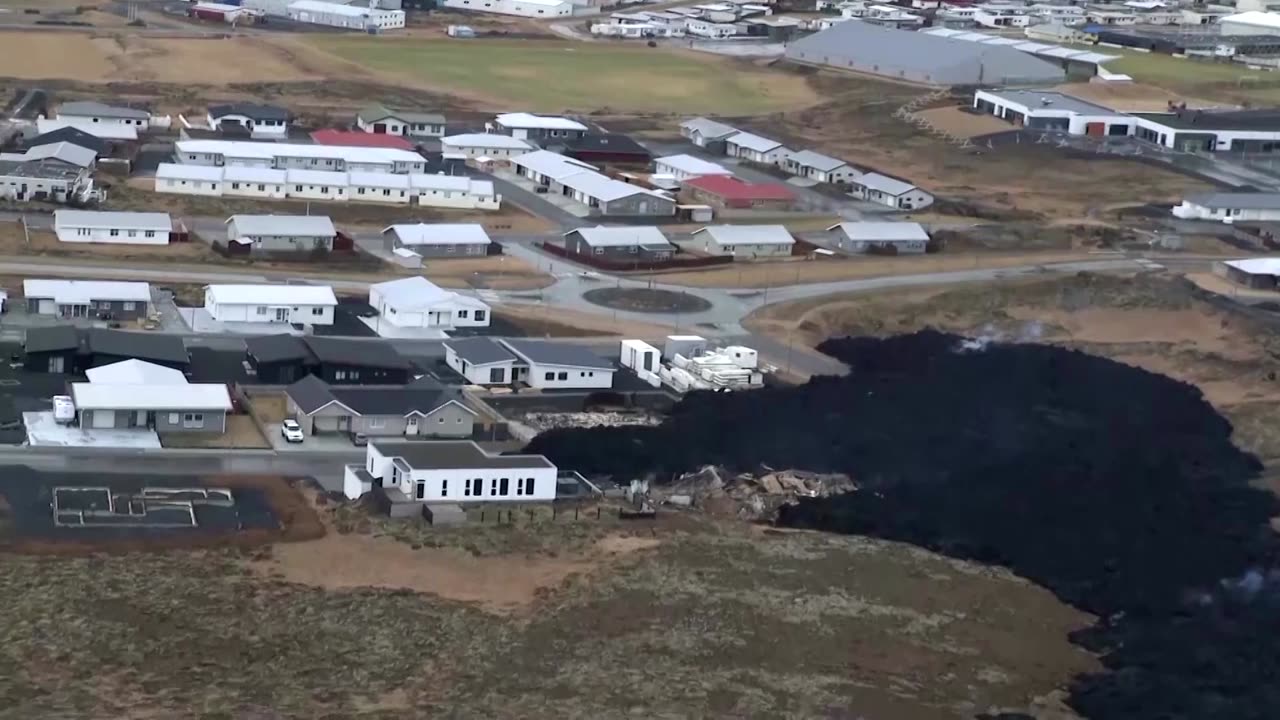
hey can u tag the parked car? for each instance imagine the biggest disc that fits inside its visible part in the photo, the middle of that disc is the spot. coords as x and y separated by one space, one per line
359 439
291 431
541 190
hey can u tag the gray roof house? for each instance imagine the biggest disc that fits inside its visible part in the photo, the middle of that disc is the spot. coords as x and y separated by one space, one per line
904 238
921 57
538 364
816 166
88 110
882 189
745 241
395 121
281 233
66 153
631 243
706 133
382 411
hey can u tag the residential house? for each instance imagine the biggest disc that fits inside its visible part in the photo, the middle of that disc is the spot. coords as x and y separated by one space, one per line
897 238
254 182
96 113
293 304
481 360
454 471
756 149
169 407
683 167
380 119
454 191
440 240
544 167
877 188
523 8
620 244
378 411
120 136
75 136
1230 207
360 138
318 185
188 179
127 228
746 241
298 156
711 30
1054 111
371 20
554 365
279 359
485 145
342 361
135 372
267 121
282 233
87 298
607 149
707 134
415 302
723 191
379 187
65 153
68 349
1259 273
819 167
538 128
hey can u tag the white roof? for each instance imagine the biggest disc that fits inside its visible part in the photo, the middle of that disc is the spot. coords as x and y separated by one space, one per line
240 173
539 122
485 140
553 165
748 234
65 151
174 171
692 165
818 161
271 294
451 182
327 7
753 142
82 291
880 231
379 180
297 225
419 293
267 151
1256 266
107 131
602 188
876 181
159 222
601 236
190 396
316 177
135 372
440 234
1256 18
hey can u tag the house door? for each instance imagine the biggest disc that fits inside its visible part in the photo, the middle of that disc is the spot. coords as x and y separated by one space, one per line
282 314
411 427
57 364
379 128
344 423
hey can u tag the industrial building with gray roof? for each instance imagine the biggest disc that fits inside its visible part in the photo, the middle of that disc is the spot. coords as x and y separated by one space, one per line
921 57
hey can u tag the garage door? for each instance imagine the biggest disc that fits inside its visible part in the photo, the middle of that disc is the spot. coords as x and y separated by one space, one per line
104 418
47 307
326 424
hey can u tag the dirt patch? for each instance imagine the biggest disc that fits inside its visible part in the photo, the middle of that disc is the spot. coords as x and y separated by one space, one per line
493 272
241 433
15 242
646 300
1131 97
952 119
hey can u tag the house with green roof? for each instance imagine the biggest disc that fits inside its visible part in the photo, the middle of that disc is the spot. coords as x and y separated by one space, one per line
383 120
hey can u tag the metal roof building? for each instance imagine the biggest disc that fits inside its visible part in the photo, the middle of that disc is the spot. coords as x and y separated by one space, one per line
921 57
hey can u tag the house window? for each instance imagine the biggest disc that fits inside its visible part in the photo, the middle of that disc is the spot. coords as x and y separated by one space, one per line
376 422
563 376
479 316
149 233
262 310
420 492
466 488
503 487
317 311
440 420
133 233
493 487
235 186
193 420
462 314
549 376
130 306
497 375
261 188
297 188
174 418
324 189
444 488
528 486
114 232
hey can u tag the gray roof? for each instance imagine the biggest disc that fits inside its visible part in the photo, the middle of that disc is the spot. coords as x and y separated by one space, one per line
1051 100
299 225
1241 200
311 394
709 128
480 351
374 113
751 141
884 183
66 152
88 108
636 236
817 161
748 234
553 353
882 231
453 455
921 57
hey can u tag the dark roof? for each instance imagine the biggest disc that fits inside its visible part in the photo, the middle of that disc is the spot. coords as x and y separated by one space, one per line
75 136
606 143
235 131
1210 120
142 346
250 110
52 339
277 348
311 393
480 350
453 454
551 353
360 353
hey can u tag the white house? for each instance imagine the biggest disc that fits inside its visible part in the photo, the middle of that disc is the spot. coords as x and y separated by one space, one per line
85 298
755 148
683 167
127 228
317 185
543 166
107 131
264 121
188 179
816 166
415 302
255 182
293 304
711 30
439 240
527 126
454 191
550 365
877 188
449 471
488 145
379 187
380 119
706 133
906 238
746 241
481 360
282 233
523 8
96 113
298 156
1230 207
352 17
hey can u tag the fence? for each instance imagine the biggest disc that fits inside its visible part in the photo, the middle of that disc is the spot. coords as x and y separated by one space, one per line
601 263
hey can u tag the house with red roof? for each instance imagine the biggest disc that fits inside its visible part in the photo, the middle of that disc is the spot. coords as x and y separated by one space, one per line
726 191
359 138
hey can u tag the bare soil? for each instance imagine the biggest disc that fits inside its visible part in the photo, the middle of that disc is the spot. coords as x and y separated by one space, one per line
241 433
15 243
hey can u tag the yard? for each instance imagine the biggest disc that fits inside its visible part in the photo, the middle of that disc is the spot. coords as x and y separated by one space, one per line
15 242
242 433
556 76
1220 81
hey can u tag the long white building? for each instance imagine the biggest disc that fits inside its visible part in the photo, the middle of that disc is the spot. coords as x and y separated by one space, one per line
295 156
523 8
354 17
449 471
292 304
126 228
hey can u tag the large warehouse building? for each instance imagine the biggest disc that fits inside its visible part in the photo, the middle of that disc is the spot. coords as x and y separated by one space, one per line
921 57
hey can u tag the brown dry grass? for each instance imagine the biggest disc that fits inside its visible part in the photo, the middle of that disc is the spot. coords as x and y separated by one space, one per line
268 407
14 243
242 433
538 320
1131 97
496 272
963 124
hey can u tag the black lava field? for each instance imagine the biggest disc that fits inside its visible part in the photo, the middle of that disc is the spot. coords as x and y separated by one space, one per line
1117 489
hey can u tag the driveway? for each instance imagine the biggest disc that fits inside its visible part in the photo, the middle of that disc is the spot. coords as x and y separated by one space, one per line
533 203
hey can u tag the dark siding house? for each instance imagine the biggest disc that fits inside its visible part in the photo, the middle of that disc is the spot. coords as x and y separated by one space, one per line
285 359
279 359
51 349
66 348
607 149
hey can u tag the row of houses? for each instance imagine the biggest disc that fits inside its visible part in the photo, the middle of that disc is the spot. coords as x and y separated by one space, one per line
583 183
443 191
719 138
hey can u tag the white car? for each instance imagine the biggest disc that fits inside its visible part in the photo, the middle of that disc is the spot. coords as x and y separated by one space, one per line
291 431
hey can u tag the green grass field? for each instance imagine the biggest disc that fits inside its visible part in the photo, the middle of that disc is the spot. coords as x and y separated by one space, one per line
1228 82
558 76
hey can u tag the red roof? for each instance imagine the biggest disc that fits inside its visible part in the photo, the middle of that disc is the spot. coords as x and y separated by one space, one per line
732 188
359 138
